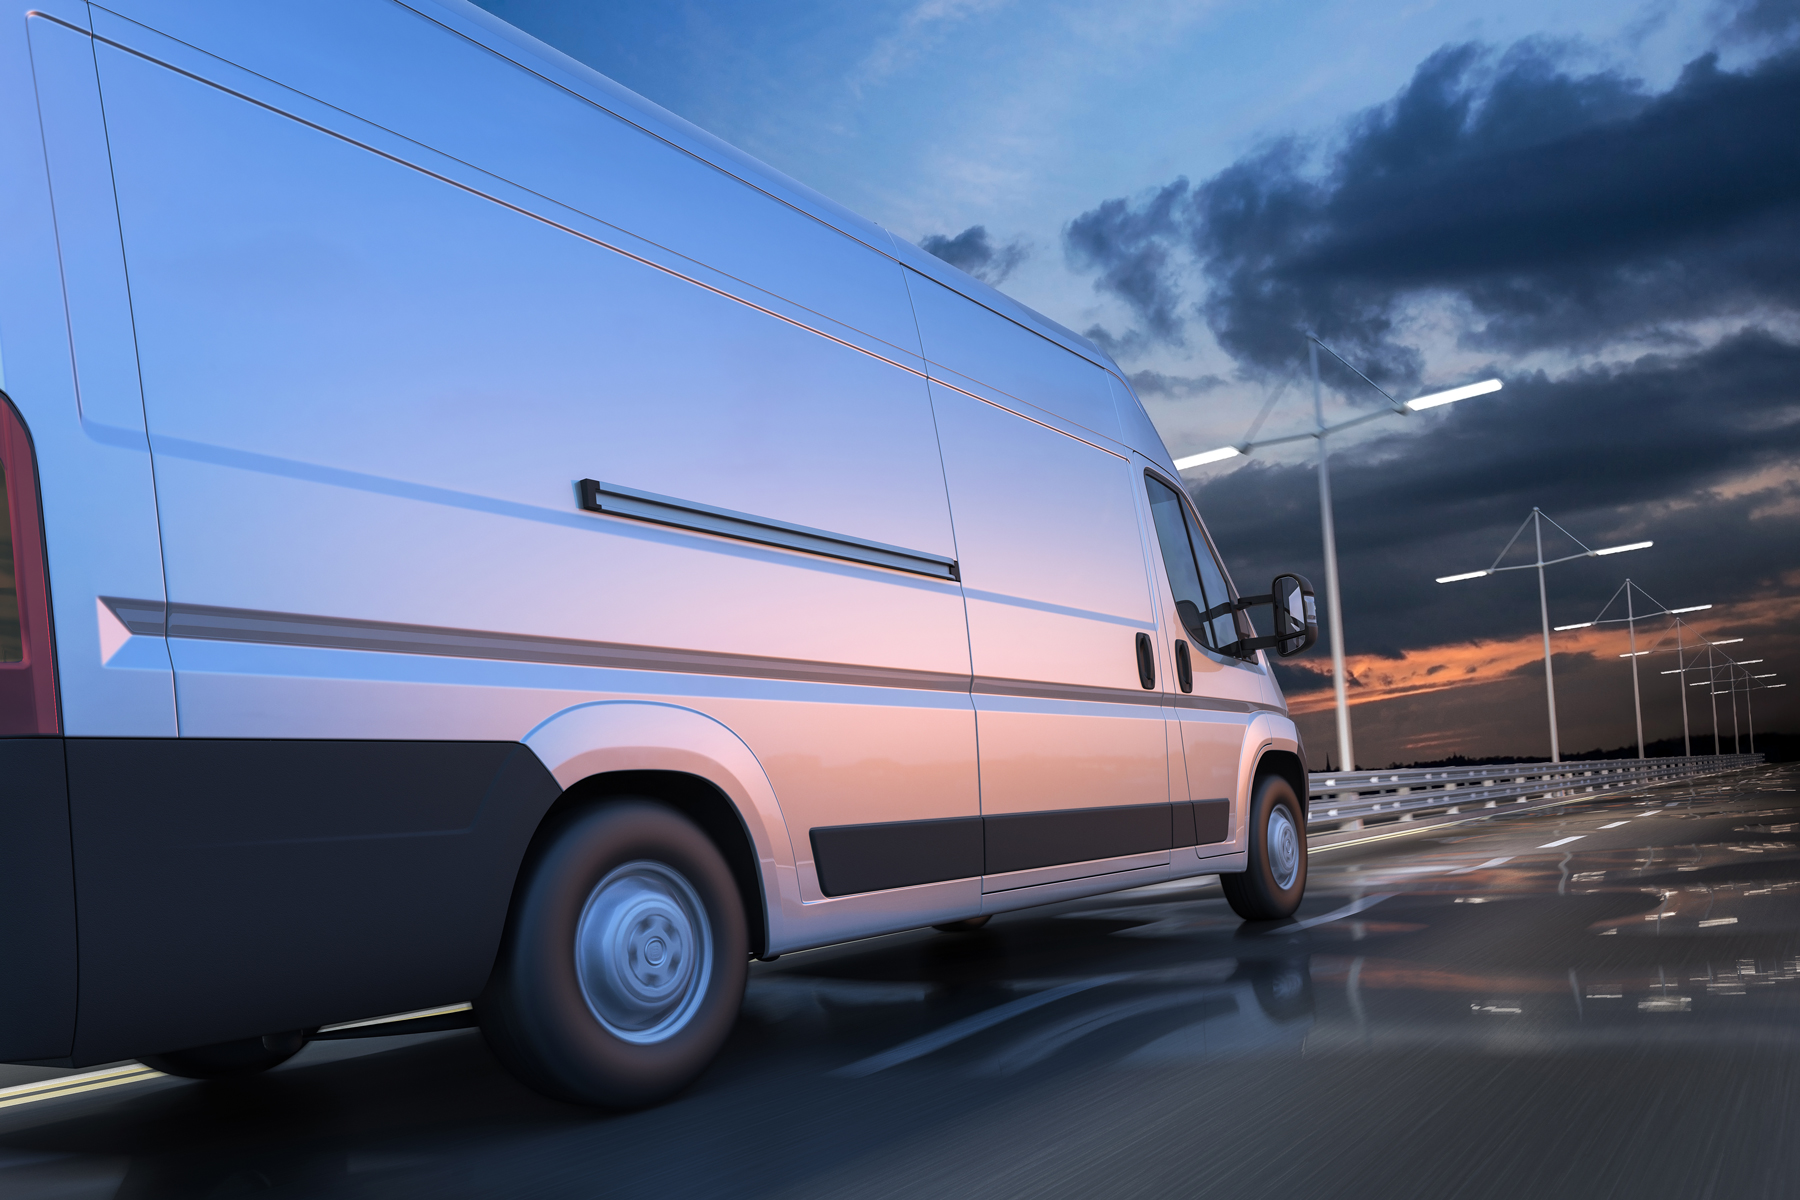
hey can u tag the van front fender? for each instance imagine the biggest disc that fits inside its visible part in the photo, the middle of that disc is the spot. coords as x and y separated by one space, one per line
1267 731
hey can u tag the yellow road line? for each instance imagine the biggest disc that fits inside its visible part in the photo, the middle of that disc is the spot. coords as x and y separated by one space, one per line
72 1085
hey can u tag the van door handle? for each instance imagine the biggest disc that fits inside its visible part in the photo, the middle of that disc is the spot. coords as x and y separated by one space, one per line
1184 666
1146 662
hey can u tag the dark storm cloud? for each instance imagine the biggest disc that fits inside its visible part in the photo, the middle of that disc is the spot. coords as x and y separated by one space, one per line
1656 449
1132 248
1761 20
1552 209
973 251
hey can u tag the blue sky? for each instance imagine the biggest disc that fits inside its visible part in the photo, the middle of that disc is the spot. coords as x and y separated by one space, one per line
1600 203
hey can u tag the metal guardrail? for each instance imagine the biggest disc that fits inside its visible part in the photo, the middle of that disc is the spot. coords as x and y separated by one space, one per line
1344 800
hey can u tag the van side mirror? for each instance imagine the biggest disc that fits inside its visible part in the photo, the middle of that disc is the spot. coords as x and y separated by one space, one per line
1296 614
1296 618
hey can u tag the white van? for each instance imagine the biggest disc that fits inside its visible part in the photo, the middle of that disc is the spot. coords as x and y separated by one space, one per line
474 536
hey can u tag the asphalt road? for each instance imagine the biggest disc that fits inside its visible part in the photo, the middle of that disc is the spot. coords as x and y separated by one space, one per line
1598 1000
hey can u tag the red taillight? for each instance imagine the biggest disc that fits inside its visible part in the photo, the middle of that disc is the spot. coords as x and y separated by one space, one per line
27 653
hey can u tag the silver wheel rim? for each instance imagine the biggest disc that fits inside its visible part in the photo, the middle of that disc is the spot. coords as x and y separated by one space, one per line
1284 849
643 952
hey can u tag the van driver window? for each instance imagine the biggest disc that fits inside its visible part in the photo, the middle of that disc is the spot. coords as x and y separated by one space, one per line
1194 575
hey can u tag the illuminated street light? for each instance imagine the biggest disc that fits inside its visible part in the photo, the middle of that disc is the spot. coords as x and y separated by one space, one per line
1320 431
1211 456
1452 395
1536 521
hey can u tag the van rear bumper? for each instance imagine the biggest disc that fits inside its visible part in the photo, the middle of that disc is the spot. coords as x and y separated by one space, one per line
179 892
37 903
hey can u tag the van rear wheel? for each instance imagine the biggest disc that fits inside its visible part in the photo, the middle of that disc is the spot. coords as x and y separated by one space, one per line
1275 877
624 959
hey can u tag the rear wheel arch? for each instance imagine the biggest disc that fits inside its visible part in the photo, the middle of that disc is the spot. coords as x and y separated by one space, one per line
690 762
695 798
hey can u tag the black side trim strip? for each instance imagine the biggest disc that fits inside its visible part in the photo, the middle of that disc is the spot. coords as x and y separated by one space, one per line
892 854
1184 823
1021 841
1212 821
685 514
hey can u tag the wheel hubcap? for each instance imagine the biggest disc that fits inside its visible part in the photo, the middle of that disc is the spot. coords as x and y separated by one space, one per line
643 952
1284 849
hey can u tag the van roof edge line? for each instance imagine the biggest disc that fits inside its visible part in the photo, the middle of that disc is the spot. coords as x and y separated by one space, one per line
646 114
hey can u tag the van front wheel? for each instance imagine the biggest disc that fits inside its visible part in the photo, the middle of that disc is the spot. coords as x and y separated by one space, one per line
1275 877
624 959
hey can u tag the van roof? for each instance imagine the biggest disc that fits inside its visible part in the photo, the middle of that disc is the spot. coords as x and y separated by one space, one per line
560 69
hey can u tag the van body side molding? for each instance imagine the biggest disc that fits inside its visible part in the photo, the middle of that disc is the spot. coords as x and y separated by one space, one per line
153 618
617 501
892 854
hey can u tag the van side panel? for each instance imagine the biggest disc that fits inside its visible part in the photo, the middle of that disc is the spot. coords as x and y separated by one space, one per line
373 383
405 72
967 340
37 898
93 461
234 888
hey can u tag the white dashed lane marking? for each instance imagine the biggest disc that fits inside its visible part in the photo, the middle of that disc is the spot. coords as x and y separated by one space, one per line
1615 824
1561 842
1492 862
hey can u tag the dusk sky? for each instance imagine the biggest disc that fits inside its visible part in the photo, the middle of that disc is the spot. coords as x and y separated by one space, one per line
1598 203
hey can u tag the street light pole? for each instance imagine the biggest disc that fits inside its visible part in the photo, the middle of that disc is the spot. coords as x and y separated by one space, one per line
1749 724
1731 677
1712 693
1687 745
1637 704
1333 605
1537 529
1536 520
1629 620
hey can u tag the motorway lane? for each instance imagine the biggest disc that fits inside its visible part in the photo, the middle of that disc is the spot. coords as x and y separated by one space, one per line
1596 1000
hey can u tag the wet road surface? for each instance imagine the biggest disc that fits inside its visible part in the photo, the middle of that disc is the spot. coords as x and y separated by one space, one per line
1596 1000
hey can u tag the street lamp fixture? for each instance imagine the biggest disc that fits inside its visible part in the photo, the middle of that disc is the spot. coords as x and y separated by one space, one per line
1536 521
1319 432
1452 395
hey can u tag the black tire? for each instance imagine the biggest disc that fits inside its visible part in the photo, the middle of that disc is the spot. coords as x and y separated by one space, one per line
966 925
645 902
1258 893
227 1059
